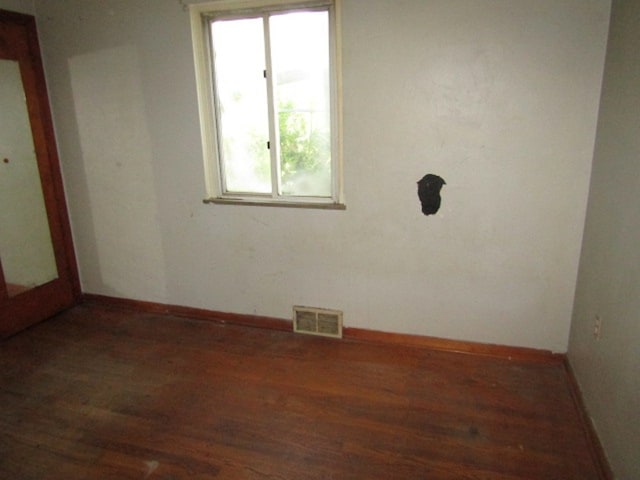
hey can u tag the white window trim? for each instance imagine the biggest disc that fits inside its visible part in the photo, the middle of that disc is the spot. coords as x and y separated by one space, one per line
204 82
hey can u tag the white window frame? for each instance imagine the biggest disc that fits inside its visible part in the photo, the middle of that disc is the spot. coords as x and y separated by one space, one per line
201 14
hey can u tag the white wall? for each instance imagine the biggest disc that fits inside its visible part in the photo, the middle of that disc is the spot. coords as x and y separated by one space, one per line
20 6
499 98
608 369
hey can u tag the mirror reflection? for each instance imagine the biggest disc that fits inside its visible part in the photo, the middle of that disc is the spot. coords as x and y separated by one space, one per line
26 249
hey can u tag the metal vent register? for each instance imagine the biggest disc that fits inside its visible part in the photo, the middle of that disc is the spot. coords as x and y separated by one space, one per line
317 321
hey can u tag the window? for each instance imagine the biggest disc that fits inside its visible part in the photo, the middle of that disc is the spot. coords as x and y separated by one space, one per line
267 91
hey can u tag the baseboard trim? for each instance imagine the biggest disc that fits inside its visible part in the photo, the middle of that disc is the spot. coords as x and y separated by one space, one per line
457 346
190 312
595 446
349 333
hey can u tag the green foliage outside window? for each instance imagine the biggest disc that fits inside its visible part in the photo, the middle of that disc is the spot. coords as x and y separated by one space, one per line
303 149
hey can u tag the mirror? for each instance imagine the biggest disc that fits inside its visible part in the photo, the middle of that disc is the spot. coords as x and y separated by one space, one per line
26 249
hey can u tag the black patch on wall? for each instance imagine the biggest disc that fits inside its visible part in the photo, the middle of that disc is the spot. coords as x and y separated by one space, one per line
429 193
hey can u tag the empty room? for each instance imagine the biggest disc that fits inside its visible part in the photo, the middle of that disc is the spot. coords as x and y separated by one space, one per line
320 239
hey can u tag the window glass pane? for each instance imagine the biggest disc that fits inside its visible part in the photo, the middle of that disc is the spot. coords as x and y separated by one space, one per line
239 63
300 56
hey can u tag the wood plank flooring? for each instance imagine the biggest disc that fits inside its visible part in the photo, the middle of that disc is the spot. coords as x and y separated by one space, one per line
101 393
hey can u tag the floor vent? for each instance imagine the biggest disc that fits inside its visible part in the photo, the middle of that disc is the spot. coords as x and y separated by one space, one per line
317 321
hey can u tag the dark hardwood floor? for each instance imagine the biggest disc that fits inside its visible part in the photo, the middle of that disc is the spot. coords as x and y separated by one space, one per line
102 393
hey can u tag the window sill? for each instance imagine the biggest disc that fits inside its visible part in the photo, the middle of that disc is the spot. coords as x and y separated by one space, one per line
275 203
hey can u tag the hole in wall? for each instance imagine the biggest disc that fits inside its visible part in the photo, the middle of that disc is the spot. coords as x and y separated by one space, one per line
429 188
